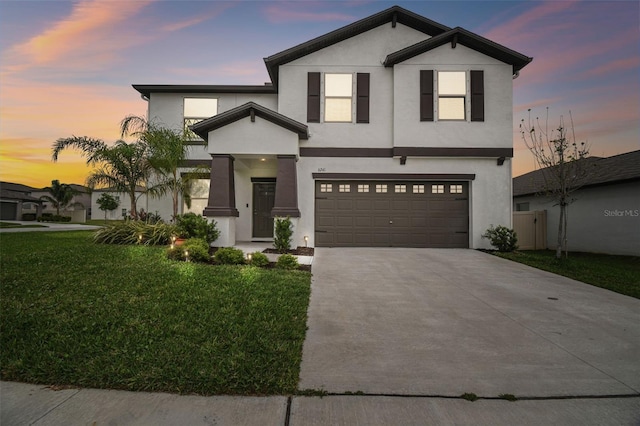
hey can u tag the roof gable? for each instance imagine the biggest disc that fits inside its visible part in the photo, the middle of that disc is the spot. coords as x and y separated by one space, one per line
393 14
203 128
466 38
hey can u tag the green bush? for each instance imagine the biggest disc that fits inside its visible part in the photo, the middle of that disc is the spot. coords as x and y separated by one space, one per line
191 225
229 256
259 259
283 233
194 249
287 261
502 238
49 217
29 216
135 232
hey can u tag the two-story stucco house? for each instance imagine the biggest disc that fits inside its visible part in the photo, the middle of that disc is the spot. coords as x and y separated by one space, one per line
392 131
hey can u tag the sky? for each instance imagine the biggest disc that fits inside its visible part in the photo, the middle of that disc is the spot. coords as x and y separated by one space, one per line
66 68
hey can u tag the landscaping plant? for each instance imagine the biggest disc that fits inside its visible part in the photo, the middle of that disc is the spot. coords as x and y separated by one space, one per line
191 225
283 233
229 256
107 202
259 259
135 232
193 250
502 238
287 261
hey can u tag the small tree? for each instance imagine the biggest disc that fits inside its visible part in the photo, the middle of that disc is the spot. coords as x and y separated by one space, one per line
563 163
284 231
60 196
107 203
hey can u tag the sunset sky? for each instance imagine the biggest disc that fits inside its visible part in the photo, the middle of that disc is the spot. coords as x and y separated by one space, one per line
66 68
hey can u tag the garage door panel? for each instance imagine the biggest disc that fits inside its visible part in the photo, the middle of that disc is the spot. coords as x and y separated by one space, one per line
404 219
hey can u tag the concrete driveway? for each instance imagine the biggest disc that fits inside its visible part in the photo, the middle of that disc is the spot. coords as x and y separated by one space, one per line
447 322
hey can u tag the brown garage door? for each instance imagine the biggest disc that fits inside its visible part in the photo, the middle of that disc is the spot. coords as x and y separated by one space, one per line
392 214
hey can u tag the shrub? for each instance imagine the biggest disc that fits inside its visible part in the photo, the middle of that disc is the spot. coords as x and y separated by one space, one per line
29 216
191 225
135 232
287 261
197 249
283 233
229 256
502 238
259 259
50 217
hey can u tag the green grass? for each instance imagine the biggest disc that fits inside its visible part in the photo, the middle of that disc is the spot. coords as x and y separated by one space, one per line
124 317
17 225
616 273
101 222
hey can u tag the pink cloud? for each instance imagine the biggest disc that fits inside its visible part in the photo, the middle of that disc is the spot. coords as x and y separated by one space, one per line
86 35
612 67
279 13
219 8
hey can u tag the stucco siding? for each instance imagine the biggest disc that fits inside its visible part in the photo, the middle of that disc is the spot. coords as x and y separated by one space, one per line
246 137
603 219
490 194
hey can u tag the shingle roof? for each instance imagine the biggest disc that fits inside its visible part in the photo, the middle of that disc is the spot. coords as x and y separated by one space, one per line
393 14
618 168
203 128
16 187
465 38
147 89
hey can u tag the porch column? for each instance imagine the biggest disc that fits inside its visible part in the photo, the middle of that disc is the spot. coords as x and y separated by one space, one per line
286 200
221 206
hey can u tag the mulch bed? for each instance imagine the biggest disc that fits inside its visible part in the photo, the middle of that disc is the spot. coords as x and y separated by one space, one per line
298 251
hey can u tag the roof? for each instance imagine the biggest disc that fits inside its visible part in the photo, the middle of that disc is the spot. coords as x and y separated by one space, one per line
393 14
465 38
249 109
7 194
16 187
147 89
616 169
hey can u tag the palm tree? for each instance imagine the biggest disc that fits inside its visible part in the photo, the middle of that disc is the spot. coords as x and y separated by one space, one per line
167 151
124 167
61 195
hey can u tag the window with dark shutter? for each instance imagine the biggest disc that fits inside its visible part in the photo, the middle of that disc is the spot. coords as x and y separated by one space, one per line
313 97
426 95
362 98
477 95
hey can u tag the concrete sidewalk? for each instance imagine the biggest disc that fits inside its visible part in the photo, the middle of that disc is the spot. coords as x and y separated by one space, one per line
46 227
25 404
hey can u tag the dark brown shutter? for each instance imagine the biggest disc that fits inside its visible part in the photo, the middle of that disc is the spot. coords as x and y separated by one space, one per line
362 98
313 97
426 95
477 95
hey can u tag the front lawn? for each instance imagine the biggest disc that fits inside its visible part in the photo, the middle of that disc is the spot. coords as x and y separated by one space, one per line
18 225
616 273
124 317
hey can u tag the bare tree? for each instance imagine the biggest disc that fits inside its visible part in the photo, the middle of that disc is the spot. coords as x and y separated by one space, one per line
563 163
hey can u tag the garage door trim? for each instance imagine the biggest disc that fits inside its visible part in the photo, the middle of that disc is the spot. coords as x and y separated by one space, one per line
394 176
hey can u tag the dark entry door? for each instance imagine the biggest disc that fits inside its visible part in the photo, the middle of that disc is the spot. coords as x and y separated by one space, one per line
264 194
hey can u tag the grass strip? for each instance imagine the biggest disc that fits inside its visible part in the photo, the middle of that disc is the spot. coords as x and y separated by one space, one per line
616 273
124 317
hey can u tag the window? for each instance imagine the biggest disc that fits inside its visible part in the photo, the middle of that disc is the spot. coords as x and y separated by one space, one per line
452 90
338 93
437 189
381 188
344 188
401 188
522 207
195 110
363 187
418 189
455 189
326 187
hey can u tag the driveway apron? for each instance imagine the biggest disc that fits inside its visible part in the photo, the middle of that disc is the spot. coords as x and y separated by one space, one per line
453 321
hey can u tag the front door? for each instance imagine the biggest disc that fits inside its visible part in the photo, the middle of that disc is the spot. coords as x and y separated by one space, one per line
264 194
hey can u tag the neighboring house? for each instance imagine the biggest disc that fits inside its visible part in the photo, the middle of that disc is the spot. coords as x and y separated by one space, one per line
605 216
124 203
79 206
392 131
16 198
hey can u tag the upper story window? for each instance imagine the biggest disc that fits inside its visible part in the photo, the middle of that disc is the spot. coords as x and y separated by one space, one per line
456 95
338 97
195 110
452 92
